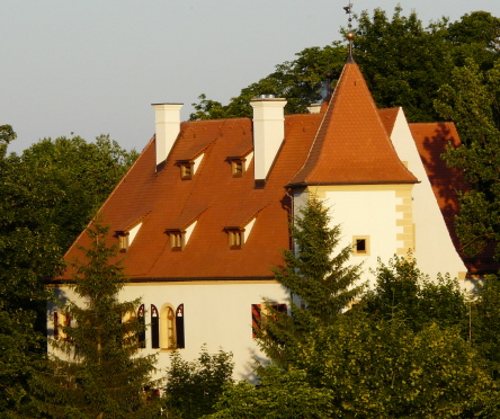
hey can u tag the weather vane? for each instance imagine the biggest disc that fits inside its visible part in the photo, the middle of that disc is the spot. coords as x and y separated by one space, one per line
350 33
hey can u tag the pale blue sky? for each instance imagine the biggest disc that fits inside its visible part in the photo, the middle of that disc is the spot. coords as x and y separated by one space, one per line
95 66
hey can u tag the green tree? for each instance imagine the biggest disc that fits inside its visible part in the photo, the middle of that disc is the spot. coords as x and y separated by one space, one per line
73 177
193 388
100 374
403 62
472 101
279 394
403 292
320 282
302 81
485 324
27 255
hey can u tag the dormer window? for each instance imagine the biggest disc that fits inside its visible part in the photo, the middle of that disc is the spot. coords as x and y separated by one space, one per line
239 164
237 167
126 237
235 237
186 169
176 239
123 240
189 167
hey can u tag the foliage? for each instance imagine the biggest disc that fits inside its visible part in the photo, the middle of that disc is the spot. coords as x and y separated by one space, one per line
194 387
303 81
404 63
472 99
321 283
27 255
279 394
100 373
378 368
485 324
402 292
73 178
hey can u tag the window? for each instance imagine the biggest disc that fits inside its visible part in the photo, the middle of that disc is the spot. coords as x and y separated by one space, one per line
155 328
61 320
360 245
123 240
179 326
141 336
235 237
237 167
262 313
176 239
168 335
187 169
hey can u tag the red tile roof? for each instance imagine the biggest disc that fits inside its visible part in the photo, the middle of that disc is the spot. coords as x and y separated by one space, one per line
213 197
352 145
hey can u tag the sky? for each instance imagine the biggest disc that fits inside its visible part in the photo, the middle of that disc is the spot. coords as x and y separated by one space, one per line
91 67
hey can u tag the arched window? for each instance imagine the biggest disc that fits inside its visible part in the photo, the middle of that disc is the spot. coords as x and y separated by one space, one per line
56 325
179 325
61 320
167 334
155 327
141 336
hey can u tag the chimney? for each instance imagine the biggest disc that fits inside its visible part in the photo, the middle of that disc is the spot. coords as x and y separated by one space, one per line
268 132
167 127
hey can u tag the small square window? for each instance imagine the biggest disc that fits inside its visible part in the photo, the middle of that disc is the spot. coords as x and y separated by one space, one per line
237 167
235 237
360 245
186 170
123 240
176 239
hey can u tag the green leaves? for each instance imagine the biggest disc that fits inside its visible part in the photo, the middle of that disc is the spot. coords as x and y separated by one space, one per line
193 388
101 373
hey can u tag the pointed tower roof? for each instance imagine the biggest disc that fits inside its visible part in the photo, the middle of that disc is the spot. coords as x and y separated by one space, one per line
351 145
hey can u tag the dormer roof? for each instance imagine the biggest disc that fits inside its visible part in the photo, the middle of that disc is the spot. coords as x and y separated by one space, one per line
352 145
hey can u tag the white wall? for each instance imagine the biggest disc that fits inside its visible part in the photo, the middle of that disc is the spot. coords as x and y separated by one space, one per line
217 314
435 252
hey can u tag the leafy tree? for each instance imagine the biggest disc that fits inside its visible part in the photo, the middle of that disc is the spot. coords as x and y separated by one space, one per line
402 292
403 62
485 324
100 374
73 178
379 368
472 100
280 394
302 81
27 254
475 35
193 388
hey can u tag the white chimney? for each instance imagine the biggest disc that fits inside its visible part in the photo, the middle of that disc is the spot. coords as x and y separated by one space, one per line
268 132
167 127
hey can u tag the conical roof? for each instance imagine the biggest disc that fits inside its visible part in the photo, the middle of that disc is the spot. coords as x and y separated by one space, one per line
351 145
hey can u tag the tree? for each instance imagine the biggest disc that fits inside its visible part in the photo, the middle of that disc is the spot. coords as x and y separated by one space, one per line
320 282
193 388
404 293
403 62
101 373
472 100
485 324
27 255
280 394
303 81
72 179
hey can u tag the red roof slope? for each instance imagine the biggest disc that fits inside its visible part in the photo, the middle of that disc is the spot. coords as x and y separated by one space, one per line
213 198
352 145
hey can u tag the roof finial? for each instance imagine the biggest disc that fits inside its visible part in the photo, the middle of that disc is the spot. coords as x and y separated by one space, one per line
350 33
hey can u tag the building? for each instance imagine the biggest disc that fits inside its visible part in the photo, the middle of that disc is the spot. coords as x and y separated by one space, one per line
203 215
